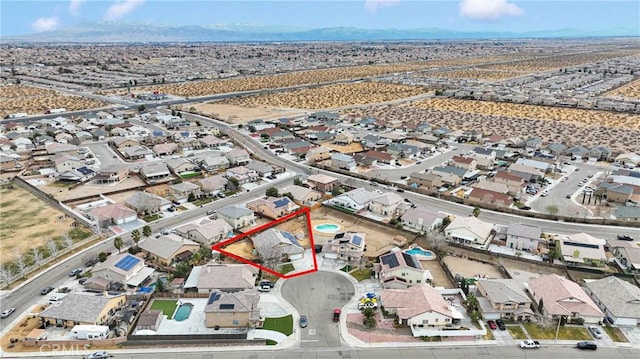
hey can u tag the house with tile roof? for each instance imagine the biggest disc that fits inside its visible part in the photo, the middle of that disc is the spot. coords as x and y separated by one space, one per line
181 191
523 237
340 160
155 171
212 185
83 309
112 214
467 163
232 310
503 299
302 195
421 219
385 204
322 183
398 269
237 217
274 244
582 248
179 166
425 180
562 297
168 249
346 246
272 207
470 231
354 200
136 152
617 298
626 252
145 203
515 184
238 157
242 174
205 230
221 277
480 195
420 306
122 268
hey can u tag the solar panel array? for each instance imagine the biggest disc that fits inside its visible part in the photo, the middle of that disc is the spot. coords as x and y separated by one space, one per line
339 235
390 260
411 260
290 237
357 240
227 306
281 202
583 245
127 262
213 297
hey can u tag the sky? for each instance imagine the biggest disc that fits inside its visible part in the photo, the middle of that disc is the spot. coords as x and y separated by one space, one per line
19 17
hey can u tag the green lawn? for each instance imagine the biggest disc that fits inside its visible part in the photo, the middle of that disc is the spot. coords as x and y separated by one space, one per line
286 268
361 274
151 218
615 334
271 342
202 201
283 325
516 332
346 268
566 332
167 306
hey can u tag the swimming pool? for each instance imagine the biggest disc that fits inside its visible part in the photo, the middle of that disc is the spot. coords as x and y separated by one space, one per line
421 253
327 227
183 312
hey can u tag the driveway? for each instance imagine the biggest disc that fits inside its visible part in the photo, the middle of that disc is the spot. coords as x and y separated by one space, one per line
316 295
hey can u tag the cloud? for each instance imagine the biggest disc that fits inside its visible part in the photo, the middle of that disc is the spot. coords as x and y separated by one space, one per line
488 9
45 24
372 6
74 7
122 8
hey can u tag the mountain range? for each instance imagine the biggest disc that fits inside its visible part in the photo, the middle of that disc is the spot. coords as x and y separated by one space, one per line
135 32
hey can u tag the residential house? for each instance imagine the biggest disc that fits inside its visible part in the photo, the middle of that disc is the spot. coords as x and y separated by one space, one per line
555 149
527 173
618 299
354 200
111 174
165 149
272 207
627 253
145 203
515 184
8 163
155 171
211 141
122 268
420 306
168 249
421 219
179 166
490 197
470 231
64 162
264 169
563 298
136 152
577 151
205 230
544 167
467 163
503 299
385 204
237 217
457 172
398 269
614 192
322 183
274 244
491 186
373 157
124 142
21 144
212 185
582 248
233 310
319 153
82 309
532 143
340 160
599 153
346 246
181 192
302 195
425 180
228 278
56 148
523 237
401 150
629 159
484 152
112 214
81 174
343 138
238 157
242 174
213 161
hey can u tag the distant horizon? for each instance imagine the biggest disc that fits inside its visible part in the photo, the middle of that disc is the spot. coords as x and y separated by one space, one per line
469 16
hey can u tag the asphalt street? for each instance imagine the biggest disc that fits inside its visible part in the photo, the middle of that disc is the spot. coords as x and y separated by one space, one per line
316 295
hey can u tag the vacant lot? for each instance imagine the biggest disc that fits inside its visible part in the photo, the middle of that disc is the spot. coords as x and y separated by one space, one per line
332 96
630 90
350 148
27 222
34 100
559 61
470 268
242 114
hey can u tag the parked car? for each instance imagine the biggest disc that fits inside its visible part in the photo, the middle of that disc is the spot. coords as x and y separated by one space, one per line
82 280
492 324
75 272
400 190
595 331
501 325
336 314
624 237
530 344
303 321
544 193
264 288
98 355
46 290
266 282
210 212
7 312
525 208
587 346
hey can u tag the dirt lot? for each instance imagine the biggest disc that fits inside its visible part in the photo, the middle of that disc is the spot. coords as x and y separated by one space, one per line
350 148
470 268
440 279
242 114
63 193
24 216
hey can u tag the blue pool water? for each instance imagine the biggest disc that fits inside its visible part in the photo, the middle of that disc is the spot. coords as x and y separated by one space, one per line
183 312
419 251
328 227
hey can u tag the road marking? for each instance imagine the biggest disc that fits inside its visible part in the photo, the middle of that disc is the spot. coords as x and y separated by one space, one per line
312 332
309 340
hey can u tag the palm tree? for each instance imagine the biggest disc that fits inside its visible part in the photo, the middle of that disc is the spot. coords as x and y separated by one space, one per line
476 211
146 231
135 235
369 315
118 243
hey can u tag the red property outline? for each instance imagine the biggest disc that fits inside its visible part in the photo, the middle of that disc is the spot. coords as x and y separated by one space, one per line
305 211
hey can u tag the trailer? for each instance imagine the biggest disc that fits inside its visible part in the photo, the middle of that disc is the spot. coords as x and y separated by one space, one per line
90 332
57 110
18 115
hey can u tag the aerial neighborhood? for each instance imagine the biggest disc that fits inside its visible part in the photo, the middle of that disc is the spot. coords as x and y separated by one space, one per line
189 219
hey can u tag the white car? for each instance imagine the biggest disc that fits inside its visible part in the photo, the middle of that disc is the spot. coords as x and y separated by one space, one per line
530 344
544 193
7 312
595 331
98 355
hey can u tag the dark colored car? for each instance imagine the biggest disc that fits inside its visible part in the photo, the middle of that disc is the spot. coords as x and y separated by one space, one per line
492 324
400 190
46 290
624 237
587 346
336 314
525 208
501 325
303 321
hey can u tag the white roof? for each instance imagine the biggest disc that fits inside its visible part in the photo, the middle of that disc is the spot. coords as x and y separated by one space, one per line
143 274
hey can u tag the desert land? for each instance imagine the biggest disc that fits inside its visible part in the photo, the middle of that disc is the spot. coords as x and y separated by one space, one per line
630 90
34 100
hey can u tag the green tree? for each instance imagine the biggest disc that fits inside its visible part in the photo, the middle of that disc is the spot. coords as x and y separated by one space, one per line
271 192
233 184
192 197
118 243
288 195
182 270
369 317
146 231
552 209
446 221
160 287
102 256
336 191
476 211
142 108
135 235
297 181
